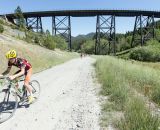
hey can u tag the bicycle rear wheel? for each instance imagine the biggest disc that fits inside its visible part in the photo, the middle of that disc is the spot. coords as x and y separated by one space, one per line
8 104
35 89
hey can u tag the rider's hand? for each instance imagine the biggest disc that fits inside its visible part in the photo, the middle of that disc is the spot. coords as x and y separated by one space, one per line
1 76
12 77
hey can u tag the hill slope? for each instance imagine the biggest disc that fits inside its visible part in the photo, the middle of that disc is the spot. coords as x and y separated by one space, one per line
40 58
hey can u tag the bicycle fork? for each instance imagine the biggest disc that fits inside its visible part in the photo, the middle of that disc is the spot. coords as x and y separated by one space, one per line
6 96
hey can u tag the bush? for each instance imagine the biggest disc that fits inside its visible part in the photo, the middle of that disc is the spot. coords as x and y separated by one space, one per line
88 47
148 53
141 54
49 43
32 37
124 46
29 37
60 43
1 21
1 29
14 26
36 39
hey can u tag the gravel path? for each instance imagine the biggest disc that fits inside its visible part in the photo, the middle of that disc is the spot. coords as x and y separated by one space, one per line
68 100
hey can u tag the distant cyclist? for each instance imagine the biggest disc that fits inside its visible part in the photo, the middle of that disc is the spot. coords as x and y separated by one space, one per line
25 69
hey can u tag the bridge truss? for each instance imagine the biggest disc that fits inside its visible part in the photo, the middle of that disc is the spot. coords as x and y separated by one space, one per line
105 28
144 28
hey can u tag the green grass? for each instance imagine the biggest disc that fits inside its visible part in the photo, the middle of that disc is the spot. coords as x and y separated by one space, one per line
154 65
119 79
138 117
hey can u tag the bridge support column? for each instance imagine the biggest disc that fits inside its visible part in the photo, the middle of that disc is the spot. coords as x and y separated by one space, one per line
105 28
143 30
61 25
35 24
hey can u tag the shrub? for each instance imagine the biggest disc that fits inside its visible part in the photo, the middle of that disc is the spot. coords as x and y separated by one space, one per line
60 43
151 52
124 46
1 29
88 47
49 43
147 53
141 53
29 37
38 39
1 21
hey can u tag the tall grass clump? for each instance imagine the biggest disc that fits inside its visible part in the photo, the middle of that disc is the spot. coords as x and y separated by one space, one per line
125 72
138 117
122 81
113 83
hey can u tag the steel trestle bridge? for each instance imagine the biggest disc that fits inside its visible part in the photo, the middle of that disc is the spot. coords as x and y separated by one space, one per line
105 24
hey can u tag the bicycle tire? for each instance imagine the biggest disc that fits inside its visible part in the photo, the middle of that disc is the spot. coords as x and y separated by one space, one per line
35 89
7 104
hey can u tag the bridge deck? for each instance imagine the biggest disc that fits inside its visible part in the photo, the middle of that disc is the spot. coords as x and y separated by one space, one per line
86 13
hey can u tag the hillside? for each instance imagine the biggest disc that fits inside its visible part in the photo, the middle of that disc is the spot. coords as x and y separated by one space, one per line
41 58
87 36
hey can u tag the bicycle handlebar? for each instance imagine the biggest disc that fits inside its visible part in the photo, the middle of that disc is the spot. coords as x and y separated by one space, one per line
7 78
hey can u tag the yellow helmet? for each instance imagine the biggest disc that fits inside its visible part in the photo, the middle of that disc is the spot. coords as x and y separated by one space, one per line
11 54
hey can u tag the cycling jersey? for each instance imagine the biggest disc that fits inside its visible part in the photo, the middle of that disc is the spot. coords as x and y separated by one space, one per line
21 63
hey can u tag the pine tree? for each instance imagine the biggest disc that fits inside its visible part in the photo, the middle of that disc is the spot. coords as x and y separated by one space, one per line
20 21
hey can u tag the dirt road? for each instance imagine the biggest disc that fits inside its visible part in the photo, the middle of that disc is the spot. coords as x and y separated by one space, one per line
68 100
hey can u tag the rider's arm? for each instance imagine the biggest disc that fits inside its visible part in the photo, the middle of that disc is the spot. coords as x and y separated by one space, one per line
20 73
7 71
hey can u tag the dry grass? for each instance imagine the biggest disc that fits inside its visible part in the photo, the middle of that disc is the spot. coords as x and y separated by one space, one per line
40 58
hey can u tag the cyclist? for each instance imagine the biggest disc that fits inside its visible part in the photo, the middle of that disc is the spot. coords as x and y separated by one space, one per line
25 69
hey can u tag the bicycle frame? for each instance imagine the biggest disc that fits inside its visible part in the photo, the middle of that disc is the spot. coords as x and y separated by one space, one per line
10 95
13 85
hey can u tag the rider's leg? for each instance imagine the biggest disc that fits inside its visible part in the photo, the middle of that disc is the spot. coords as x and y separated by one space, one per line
17 85
26 84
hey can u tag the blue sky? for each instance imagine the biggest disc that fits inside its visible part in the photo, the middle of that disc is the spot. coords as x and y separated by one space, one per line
81 25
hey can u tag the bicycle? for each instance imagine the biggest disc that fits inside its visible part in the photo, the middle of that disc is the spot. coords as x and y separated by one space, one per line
9 95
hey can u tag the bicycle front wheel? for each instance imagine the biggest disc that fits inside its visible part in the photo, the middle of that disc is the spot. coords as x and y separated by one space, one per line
35 89
8 104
